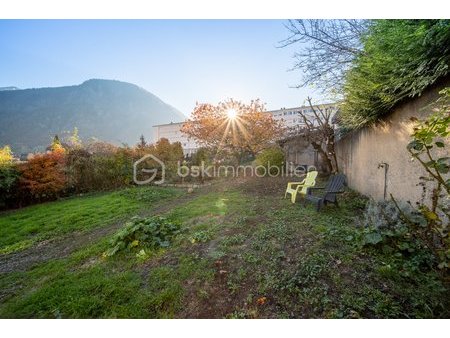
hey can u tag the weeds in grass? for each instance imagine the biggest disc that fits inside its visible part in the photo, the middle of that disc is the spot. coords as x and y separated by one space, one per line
302 263
142 234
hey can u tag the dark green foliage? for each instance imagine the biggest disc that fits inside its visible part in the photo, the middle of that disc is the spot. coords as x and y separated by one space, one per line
113 170
144 233
385 229
400 59
9 176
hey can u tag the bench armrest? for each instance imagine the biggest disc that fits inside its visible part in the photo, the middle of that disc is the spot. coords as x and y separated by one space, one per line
310 189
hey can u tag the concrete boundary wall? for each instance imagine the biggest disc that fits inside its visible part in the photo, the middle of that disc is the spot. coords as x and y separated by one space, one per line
375 158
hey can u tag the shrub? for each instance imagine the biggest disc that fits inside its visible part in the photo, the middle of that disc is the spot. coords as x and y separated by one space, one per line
143 233
272 159
202 154
170 154
383 221
107 168
43 177
9 176
426 224
80 170
386 229
112 171
400 59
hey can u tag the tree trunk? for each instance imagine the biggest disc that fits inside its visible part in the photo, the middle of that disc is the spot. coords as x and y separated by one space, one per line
324 156
332 153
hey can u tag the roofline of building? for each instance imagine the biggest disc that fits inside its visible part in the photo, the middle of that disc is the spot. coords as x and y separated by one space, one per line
302 107
268 111
168 124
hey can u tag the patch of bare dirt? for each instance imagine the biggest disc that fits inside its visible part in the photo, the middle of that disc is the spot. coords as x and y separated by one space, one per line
264 186
211 299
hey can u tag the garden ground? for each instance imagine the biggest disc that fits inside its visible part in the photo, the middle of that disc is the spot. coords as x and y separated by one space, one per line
244 252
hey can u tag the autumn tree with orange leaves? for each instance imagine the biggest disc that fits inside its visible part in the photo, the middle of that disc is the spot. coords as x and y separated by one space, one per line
43 177
234 127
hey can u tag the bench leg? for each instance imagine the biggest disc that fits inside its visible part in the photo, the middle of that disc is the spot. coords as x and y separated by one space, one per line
319 205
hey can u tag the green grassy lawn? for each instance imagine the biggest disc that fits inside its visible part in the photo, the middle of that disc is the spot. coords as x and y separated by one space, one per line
20 229
244 252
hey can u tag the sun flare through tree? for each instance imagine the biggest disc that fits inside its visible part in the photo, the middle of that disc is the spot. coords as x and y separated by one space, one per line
233 126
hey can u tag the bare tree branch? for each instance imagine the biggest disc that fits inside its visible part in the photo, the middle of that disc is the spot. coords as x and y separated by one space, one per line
328 48
319 131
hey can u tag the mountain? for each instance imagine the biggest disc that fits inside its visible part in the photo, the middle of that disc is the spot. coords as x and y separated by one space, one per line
113 111
8 88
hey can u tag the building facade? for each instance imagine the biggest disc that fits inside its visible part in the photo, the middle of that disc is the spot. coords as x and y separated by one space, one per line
289 116
172 132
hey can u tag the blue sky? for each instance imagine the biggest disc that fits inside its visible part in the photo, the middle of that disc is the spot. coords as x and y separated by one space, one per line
181 61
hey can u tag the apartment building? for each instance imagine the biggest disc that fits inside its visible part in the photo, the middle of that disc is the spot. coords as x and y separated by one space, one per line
172 132
289 116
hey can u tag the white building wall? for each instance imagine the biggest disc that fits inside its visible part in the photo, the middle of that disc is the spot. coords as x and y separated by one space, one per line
291 116
172 132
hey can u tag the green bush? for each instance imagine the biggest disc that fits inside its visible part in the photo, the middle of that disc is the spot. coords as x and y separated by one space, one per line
143 233
270 161
400 59
9 176
79 170
99 171
386 229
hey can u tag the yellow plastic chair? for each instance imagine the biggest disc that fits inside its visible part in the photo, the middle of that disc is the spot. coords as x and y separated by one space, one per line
294 188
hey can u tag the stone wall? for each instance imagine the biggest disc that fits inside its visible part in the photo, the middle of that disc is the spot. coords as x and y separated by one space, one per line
375 158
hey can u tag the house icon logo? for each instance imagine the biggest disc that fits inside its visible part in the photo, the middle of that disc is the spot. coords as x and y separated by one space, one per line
153 171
